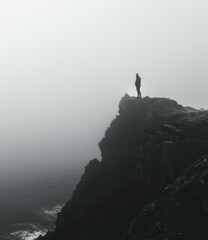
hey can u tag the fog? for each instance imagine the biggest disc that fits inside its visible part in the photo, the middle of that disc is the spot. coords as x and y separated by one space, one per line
64 65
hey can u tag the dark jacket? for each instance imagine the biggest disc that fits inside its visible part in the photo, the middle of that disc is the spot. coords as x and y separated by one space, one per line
138 82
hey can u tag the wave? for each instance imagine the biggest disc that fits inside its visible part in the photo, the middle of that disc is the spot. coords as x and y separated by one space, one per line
30 231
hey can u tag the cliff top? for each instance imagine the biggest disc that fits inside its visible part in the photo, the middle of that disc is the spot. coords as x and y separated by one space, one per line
148 145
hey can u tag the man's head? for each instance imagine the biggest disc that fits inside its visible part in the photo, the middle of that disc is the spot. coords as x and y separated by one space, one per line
137 75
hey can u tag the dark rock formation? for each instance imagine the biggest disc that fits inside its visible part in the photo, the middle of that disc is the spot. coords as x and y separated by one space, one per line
150 144
181 213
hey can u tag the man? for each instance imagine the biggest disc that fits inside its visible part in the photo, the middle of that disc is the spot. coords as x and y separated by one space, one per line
138 85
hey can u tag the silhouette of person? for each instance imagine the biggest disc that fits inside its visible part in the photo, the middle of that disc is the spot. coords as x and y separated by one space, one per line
138 85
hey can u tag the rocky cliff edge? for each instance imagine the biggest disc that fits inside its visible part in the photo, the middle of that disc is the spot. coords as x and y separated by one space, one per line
149 145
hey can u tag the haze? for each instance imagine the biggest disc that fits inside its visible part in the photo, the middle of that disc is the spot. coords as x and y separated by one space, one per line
66 64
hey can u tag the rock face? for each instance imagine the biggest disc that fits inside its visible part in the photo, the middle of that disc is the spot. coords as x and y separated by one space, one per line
148 146
182 211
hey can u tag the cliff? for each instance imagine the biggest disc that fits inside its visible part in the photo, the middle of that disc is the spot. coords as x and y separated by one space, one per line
152 145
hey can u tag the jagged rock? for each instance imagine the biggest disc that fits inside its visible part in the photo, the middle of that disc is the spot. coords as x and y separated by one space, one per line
181 213
147 146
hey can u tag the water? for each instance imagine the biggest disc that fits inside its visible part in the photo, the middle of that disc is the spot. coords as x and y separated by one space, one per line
29 203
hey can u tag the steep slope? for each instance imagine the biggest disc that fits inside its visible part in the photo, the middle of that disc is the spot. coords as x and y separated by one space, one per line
181 213
147 146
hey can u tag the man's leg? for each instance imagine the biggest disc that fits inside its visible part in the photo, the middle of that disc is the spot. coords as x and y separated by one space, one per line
139 93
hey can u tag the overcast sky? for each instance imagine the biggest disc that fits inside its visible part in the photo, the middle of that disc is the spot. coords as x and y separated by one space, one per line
64 65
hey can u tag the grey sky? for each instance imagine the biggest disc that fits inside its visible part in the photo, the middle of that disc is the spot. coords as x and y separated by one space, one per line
64 65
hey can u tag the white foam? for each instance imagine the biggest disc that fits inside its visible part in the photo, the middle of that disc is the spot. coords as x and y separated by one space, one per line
53 211
31 231
25 235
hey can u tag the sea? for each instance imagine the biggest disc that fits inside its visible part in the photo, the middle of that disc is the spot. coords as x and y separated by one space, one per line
30 201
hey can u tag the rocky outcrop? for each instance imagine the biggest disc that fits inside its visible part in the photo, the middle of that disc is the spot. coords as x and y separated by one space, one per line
181 213
147 146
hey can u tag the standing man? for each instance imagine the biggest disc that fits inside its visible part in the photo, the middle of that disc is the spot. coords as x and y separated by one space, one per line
138 85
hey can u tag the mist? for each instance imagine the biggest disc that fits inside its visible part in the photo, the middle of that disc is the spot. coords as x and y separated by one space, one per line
66 64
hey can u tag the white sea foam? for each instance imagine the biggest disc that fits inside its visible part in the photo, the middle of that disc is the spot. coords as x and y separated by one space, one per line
52 212
32 231
49 214
25 235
